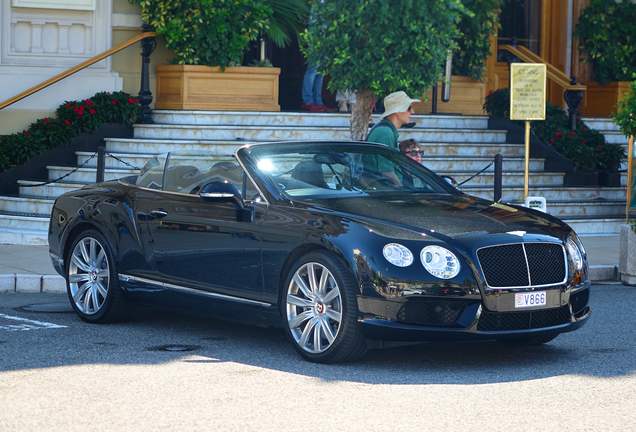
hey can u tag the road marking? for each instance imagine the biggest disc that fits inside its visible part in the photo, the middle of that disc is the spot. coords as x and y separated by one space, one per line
26 324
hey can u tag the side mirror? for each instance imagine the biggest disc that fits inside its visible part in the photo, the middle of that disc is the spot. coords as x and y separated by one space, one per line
451 181
221 191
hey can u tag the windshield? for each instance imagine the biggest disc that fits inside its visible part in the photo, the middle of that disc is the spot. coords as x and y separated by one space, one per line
323 170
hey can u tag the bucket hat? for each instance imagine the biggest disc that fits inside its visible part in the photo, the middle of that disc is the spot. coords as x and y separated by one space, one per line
397 102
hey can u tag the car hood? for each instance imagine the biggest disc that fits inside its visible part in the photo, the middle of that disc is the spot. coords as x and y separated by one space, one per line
448 215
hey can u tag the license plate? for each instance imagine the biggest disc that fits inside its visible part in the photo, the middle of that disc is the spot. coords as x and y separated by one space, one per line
524 300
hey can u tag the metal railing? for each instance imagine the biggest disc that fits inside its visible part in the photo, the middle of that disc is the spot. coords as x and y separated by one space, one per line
148 43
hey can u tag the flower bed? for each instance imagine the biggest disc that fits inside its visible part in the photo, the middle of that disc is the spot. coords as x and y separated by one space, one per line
72 118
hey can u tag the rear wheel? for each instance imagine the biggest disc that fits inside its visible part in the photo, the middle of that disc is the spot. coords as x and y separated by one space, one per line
91 279
320 310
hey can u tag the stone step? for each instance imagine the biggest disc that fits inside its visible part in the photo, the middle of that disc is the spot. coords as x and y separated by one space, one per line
28 206
27 223
599 225
23 237
47 191
241 118
435 163
615 138
186 132
593 209
147 146
601 124
510 178
138 160
87 175
552 193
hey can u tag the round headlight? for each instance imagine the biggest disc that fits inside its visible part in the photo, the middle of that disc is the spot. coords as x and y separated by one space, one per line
398 254
440 262
575 254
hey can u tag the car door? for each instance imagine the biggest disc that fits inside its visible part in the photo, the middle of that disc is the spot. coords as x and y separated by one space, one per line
194 243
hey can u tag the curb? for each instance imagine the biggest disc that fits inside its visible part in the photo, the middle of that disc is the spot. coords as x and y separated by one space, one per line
32 283
604 273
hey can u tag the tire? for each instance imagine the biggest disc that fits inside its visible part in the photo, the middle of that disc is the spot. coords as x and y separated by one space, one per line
529 340
307 309
92 284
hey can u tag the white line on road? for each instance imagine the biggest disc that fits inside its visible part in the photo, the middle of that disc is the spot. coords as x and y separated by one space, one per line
27 324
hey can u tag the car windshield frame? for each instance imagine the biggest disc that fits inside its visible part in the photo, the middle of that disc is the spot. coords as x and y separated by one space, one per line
251 154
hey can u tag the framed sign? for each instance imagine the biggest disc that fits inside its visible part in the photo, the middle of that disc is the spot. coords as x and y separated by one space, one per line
527 91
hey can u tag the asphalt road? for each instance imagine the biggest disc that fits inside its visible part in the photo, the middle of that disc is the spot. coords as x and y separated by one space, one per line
58 373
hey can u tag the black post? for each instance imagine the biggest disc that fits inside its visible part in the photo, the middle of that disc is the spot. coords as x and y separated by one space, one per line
573 99
145 95
434 100
498 176
101 164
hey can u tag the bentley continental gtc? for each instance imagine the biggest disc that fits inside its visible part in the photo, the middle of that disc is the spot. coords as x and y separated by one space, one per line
338 243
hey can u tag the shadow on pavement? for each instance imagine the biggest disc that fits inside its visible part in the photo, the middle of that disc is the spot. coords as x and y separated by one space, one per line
604 348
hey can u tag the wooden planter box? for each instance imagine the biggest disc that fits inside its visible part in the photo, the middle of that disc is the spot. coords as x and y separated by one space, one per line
467 97
601 100
241 88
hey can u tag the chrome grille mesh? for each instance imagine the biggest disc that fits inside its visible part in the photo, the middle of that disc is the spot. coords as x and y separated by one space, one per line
523 265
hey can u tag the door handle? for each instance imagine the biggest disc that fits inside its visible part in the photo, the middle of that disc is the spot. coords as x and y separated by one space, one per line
158 214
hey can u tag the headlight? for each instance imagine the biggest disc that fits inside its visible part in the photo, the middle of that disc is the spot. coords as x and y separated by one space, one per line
398 254
440 262
575 253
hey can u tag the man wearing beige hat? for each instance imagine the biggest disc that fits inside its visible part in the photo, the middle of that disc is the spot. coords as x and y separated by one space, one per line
397 112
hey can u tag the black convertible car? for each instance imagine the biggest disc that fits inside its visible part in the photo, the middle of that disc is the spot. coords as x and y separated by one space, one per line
337 242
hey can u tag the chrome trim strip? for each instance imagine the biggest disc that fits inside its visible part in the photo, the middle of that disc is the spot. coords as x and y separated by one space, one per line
565 262
127 278
247 172
525 256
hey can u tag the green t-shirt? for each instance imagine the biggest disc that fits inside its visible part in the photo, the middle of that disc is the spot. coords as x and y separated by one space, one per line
382 133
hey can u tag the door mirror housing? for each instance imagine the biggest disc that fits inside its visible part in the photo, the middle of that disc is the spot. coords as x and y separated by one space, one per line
221 191
451 181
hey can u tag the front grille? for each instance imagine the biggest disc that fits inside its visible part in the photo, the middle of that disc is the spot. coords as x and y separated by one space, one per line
523 265
501 321
430 312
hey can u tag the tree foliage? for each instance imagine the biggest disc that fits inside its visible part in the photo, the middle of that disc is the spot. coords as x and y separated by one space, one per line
607 32
207 32
626 114
376 47
473 43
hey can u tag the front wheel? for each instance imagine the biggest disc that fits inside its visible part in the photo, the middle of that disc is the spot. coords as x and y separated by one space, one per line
320 310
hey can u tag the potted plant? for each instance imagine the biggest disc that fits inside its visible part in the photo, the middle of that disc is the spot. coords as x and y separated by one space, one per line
477 25
607 35
209 39
626 120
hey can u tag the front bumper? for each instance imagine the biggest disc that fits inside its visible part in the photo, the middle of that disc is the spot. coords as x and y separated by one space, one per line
466 320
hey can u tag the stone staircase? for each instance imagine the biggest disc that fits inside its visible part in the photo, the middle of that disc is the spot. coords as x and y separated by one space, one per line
453 145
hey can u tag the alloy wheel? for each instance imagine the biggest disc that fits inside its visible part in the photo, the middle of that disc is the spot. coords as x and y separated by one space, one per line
89 275
314 308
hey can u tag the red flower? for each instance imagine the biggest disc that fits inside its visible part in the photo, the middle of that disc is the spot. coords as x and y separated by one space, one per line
68 106
26 133
67 122
45 120
571 134
558 134
114 101
92 111
133 100
88 102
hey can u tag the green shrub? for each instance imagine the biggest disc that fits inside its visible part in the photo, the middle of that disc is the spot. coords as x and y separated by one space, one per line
572 146
607 34
72 118
626 113
497 104
207 32
473 43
